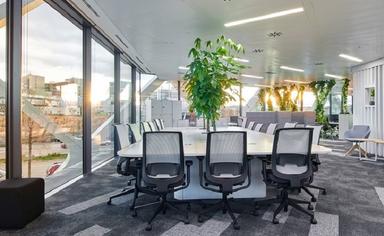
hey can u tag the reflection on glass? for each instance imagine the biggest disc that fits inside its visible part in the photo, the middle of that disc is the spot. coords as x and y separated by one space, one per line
51 97
125 92
102 103
2 91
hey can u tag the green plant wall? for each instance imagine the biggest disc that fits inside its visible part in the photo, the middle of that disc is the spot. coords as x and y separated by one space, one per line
344 96
321 89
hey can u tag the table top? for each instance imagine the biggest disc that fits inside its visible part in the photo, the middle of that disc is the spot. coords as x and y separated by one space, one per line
194 140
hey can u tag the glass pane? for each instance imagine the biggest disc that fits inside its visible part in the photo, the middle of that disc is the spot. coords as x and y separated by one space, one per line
102 103
125 92
138 97
2 88
51 97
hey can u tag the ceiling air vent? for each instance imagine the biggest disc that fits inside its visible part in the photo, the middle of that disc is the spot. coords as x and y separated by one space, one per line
91 8
270 73
258 50
121 41
274 34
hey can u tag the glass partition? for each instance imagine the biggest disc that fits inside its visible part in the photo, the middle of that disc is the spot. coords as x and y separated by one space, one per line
52 96
2 87
125 92
102 103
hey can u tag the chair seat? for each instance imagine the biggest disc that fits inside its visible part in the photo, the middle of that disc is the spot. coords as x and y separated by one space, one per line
228 169
226 176
291 169
162 170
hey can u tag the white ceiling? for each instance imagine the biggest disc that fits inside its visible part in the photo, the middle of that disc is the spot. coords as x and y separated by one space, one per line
163 31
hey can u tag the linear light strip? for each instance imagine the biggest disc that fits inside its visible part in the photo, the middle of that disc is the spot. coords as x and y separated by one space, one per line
334 76
351 58
291 68
252 76
265 17
296 81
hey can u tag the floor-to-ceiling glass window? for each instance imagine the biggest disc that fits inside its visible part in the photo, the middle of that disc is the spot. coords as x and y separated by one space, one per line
249 99
2 87
138 97
102 103
52 96
125 92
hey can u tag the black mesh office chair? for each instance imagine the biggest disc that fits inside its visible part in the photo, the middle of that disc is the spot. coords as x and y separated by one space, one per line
158 124
226 166
145 127
291 168
153 126
163 170
125 166
315 163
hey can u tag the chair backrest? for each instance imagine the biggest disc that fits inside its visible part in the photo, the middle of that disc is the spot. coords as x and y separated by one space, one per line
162 124
358 131
135 131
290 124
244 122
226 155
122 131
291 154
158 124
258 127
251 124
271 128
145 127
163 158
316 133
152 125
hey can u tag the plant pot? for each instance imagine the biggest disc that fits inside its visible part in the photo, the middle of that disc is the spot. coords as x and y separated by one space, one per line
371 103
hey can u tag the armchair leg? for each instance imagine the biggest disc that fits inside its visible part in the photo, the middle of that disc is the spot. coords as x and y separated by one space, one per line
136 194
125 191
323 190
228 208
294 204
158 210
313 198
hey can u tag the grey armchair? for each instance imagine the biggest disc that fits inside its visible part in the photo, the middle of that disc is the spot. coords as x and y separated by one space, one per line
356 136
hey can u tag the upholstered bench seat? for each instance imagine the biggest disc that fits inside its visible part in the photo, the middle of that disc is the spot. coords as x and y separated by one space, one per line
21 201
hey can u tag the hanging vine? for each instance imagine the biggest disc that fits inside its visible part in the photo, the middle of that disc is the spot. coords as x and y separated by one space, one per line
344 96
321 90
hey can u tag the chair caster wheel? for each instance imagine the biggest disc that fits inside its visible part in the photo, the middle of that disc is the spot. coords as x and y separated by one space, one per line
275 221
285 209
236 226
109 202
255 213
313 221
134 214
313 199
224 211
310 207
324 192
186 222
148 228
131 208
200 219
188 207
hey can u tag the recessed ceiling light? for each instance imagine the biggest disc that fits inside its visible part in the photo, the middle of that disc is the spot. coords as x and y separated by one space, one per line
334 76
351 58
291 68
296 81
265 17
183 68
252 76
238 59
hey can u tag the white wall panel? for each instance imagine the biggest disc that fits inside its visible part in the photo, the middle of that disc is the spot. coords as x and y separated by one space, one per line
365 77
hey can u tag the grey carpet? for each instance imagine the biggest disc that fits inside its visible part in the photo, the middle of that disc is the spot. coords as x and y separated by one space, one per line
351 207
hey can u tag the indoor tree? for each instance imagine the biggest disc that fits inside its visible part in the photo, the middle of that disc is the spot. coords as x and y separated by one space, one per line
211 76
344 96
321 90
261 99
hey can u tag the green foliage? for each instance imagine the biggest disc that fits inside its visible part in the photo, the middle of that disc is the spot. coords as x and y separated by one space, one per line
344 96
372 92
211 75
321 90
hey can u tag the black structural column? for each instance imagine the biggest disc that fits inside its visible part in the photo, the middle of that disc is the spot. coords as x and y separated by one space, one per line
87 109
133 94
178 90
116 97
13 109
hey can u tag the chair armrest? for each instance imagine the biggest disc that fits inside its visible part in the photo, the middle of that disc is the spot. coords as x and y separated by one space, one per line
201 176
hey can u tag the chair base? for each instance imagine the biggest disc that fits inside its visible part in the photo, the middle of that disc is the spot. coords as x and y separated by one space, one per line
123 192
356 146
164 204
285 202
225 207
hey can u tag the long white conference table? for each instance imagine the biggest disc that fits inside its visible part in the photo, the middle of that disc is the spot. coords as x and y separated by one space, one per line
194 139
